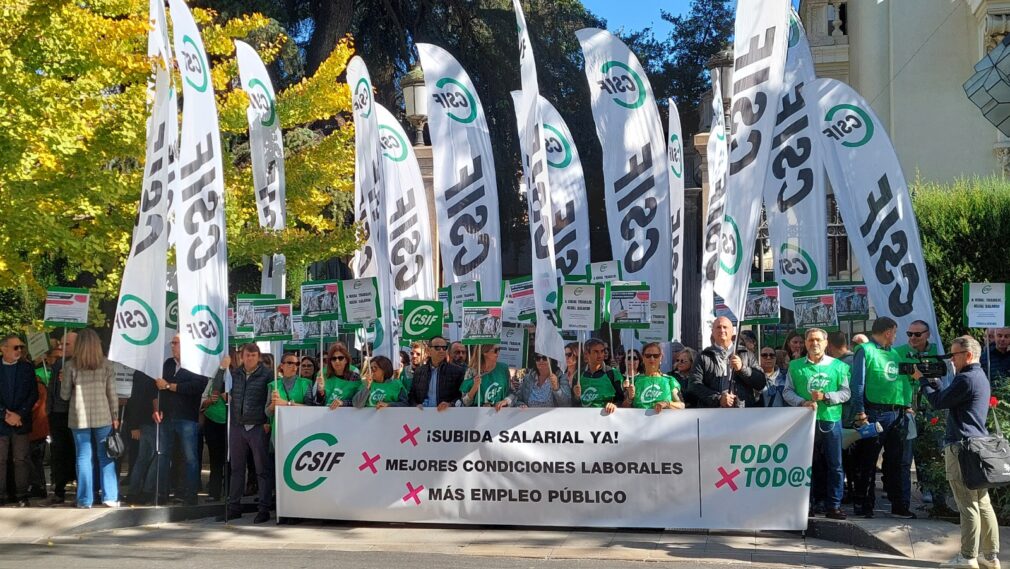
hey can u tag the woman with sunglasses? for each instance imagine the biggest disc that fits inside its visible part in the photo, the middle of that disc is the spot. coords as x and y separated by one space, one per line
654 389
487 381
776 375
288 390
540 387
378 387
338 382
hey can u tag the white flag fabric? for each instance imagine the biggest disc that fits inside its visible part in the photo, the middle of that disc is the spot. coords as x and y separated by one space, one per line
675 158
138 333
534 162
201 245
409 227
717 151
794 191
568 192
759 53
873 201
466 191
634 160
369 192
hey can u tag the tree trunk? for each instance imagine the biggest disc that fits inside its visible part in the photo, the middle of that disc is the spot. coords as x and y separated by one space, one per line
332 20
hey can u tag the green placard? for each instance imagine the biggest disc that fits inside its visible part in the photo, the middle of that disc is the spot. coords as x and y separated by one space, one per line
762 306
67 307
605 271
272 320
815 309
244 311
481 323
984 305
422 319
359 300
578 307
320 300
628 305
852 300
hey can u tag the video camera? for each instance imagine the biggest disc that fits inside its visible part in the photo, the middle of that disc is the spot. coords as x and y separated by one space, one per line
931 367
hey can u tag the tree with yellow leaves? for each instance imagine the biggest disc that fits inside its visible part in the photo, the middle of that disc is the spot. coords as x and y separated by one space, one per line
72 132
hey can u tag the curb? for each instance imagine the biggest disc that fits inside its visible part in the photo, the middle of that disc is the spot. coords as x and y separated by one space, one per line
132 517
849 533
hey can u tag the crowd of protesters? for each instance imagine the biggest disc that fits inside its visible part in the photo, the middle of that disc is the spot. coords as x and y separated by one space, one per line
66 403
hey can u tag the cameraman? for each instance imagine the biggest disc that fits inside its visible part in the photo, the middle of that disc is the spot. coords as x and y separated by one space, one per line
877 390
967 398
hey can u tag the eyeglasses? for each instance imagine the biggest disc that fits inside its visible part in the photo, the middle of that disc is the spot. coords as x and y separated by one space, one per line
569 355
952 354
767 355
911 334
439 348
541 358
652 356
18 348
339 358
683 361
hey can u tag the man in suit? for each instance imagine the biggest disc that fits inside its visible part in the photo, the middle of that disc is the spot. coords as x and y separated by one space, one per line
437 381
18 393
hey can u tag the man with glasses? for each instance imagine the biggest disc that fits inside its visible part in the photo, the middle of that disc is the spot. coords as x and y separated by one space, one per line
458 354
437 381
724 379
967 399
995 362
18 393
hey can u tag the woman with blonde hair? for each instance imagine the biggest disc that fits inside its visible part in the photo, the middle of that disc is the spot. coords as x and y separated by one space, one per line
91 392
487 380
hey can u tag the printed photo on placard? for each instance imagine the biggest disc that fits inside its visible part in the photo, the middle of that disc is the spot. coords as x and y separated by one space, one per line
852 300
815 309
272 320
628 305
481 323
67 307
520 301
762 305
244 310
236 338
320 300
330 330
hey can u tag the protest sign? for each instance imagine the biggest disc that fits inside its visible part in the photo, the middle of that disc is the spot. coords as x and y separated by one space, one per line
815 309
661 323
578 307
272 320
627 305
514 346
422 319
481 323
359 300
984 305
762 305
67 307
320 301
851 300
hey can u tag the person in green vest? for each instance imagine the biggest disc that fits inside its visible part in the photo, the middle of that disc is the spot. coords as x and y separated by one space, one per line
821 383
289 390
653 389
598 385
487 381
879 396
215 435
378 386
337 383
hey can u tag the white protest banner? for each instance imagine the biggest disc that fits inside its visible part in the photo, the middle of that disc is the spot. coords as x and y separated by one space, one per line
568 192
628 304
763 306
244 311
873 200
515 339
138 332
272 320
578 307
634 160
748 469
38 345
481 323
200 243
661 323
675 159
851 302
359 300
540 212
67 307
465 187
718 169
815 309
759 54
985 305
124 379
320 300
794 187
604 271
518 300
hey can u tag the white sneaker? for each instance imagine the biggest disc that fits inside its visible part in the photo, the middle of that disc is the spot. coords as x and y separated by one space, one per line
990 561
111 504
961 562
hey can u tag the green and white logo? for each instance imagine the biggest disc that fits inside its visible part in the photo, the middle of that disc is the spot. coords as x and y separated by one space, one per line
391 140
194 65
624 83
651 393
316 460
260 99
850 121
589 395
422 319
493 392
455 97
891 371
363 98
559 150
676 149
172 310
205 329
795 262
732 247
817 382
136 315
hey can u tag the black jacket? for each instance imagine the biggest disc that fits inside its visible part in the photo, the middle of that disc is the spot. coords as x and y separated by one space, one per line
248 397
184 402
139 407
450 379
18 396
707 384
55 403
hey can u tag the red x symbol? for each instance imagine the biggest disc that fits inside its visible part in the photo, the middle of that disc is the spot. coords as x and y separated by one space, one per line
410 435
727 478
369 462
412 493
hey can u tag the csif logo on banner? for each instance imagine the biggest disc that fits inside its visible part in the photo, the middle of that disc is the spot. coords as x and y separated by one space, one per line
134 314
459 104
172 310
732 246
392 143
194 66
205 329
317 460
623 83
559 150
262 102
458 198
362 98
794 261
676 156
849 124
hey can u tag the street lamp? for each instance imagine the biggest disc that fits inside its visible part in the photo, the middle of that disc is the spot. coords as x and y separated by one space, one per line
722 62
415 99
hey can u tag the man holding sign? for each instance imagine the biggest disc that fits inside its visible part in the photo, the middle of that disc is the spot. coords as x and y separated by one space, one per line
721 378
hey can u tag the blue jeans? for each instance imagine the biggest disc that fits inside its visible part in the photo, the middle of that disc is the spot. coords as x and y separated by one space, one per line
828 448
142 475
188 433
106 466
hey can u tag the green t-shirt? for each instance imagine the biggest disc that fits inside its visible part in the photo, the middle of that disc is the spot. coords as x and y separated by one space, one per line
598 388
828 375
652 389
43 373
217 411
494 385
388 391
884 384
339 388
297 394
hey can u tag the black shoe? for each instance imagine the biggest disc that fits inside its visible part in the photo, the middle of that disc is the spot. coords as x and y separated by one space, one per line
863 511
835 515
262 518
903 513
228 518
57 499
